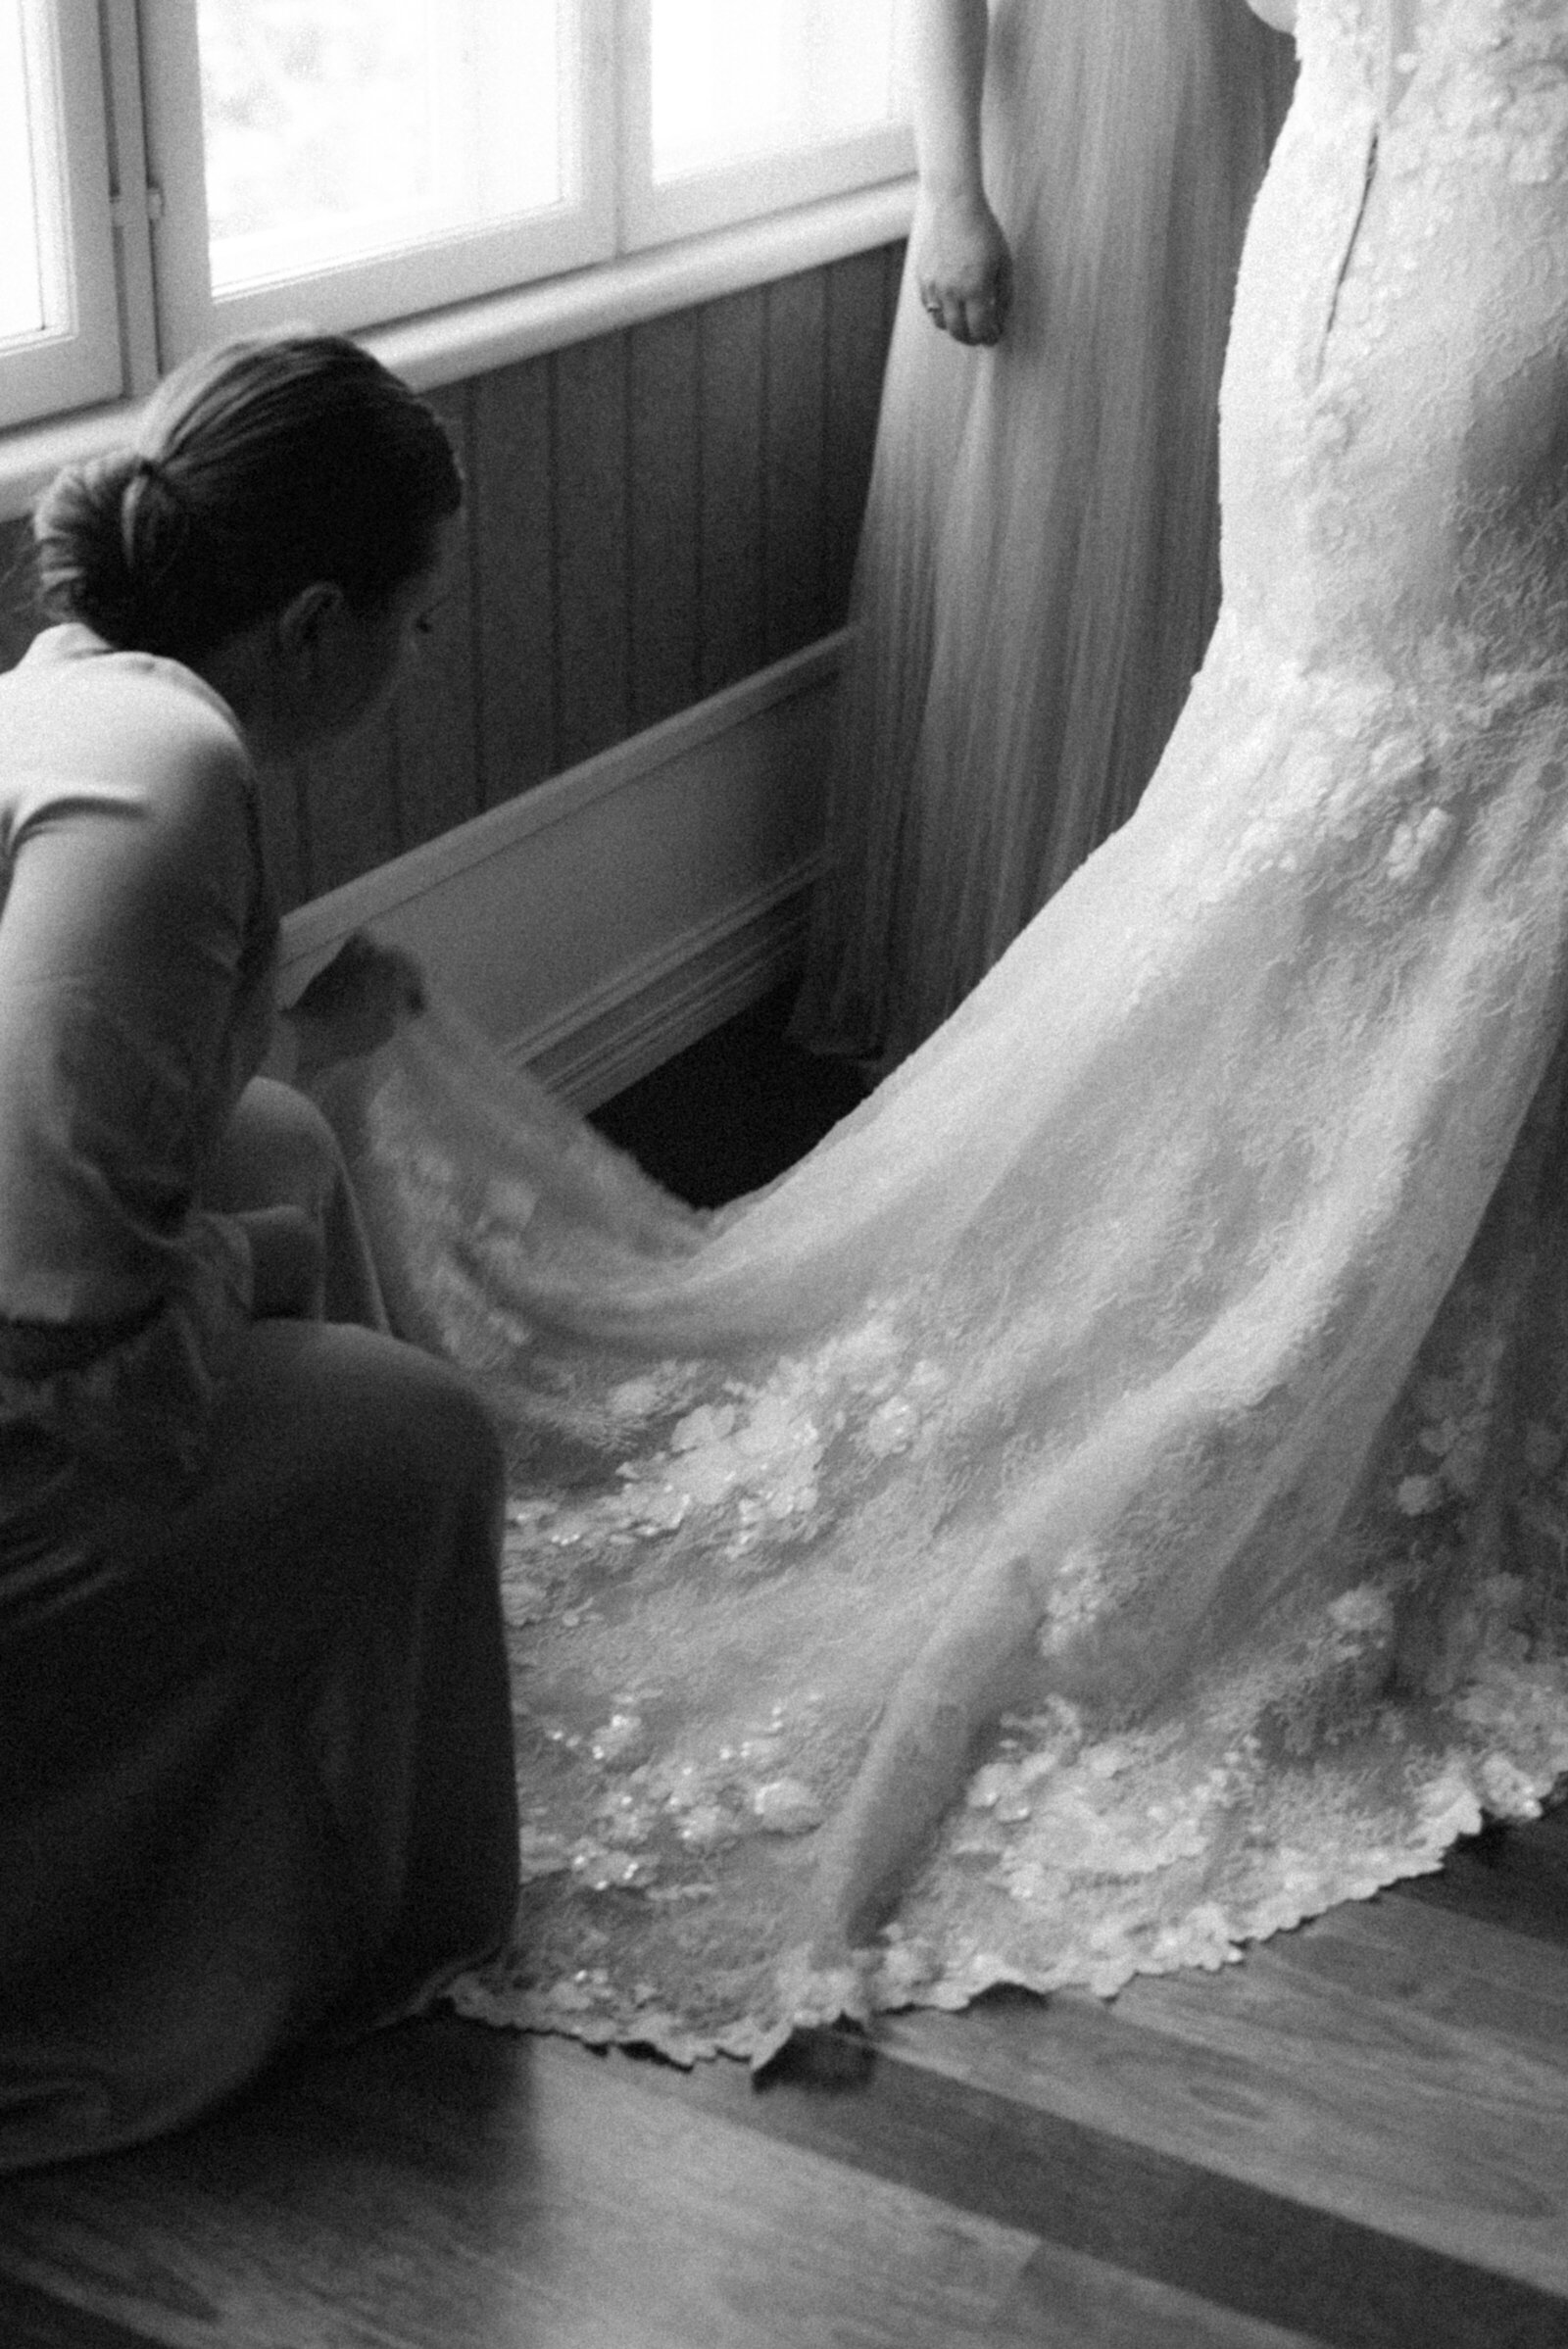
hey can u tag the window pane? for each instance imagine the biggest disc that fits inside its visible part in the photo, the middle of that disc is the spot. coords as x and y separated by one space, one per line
30 292
339 129
733 82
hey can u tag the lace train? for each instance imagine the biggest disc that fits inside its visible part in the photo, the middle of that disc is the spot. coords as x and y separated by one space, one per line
1109 1501
723 1569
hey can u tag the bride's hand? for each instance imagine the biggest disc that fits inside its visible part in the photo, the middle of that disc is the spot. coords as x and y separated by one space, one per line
962 266
355 1005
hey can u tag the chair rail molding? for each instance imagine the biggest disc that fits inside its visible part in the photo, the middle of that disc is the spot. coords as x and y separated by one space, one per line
604 920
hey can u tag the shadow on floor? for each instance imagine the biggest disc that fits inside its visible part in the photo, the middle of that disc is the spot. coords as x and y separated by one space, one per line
735 1110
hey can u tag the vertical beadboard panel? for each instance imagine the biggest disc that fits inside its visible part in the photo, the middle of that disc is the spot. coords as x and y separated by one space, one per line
859 293
282 835
731 412
651 516
593 666
664 511
19 616
794 464
347 814
435 716
509 495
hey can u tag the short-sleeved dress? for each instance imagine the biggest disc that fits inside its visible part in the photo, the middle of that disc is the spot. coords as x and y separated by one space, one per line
254 1768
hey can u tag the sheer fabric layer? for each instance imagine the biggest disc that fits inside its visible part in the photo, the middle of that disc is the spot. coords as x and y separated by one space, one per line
1109 1501
1039 567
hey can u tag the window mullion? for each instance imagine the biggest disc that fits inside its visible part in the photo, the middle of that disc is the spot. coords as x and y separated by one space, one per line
136 199
715 135
352 290
599 107
170 53
634 118
129 159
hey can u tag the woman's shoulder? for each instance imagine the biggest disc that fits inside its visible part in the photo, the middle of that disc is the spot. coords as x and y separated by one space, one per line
69 666
94 741
76 714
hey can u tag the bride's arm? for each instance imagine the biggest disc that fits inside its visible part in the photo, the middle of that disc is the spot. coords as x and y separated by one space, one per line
962 262
1281 14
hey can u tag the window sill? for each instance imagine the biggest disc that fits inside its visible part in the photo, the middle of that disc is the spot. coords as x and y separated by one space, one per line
472 338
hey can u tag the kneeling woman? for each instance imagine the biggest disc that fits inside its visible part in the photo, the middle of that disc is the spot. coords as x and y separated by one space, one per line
255 1748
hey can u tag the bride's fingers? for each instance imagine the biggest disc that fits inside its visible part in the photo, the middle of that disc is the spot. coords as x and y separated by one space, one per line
974 316
954 317
982 321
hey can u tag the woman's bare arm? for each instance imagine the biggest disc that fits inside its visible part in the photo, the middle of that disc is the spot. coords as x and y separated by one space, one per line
962 262
1281 14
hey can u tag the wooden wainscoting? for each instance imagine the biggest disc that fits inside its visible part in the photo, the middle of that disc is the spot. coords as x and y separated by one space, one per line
598 924
595 806
652 516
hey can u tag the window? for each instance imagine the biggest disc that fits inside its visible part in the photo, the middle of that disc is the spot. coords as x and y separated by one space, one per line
59 326
350 161
738 110
354 163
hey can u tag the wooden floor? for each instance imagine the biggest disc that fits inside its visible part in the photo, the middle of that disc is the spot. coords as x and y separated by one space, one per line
1359 2137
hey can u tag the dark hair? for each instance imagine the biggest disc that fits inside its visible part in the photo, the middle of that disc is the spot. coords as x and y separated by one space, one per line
259 469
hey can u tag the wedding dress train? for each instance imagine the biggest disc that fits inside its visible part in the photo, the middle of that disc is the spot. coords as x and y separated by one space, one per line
1111 1500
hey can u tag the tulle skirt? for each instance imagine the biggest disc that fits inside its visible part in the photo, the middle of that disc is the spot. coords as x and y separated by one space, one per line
1039 567
1041 1538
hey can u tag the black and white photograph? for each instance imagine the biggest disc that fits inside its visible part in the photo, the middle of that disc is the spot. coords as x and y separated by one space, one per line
783 1174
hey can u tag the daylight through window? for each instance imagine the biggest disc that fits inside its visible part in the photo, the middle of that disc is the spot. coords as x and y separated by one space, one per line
173 171
335 131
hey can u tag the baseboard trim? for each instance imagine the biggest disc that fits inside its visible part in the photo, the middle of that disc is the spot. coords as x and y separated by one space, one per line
314 930
605 920
645 1015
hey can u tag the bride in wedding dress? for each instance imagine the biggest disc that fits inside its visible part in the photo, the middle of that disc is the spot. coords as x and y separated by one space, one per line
1110 1501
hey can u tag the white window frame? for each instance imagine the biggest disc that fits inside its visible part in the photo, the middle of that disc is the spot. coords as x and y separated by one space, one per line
429 274
136 192
78 358
655 212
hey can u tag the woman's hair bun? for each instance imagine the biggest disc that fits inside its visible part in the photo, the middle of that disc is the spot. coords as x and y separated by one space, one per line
103 535
265 466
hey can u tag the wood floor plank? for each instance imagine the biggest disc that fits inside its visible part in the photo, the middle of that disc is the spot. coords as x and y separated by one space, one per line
33 2319
1341 2068
1510 1876
1008 2148
1356 2138
1397 1986
418 2195
1067 2300
1444 1962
